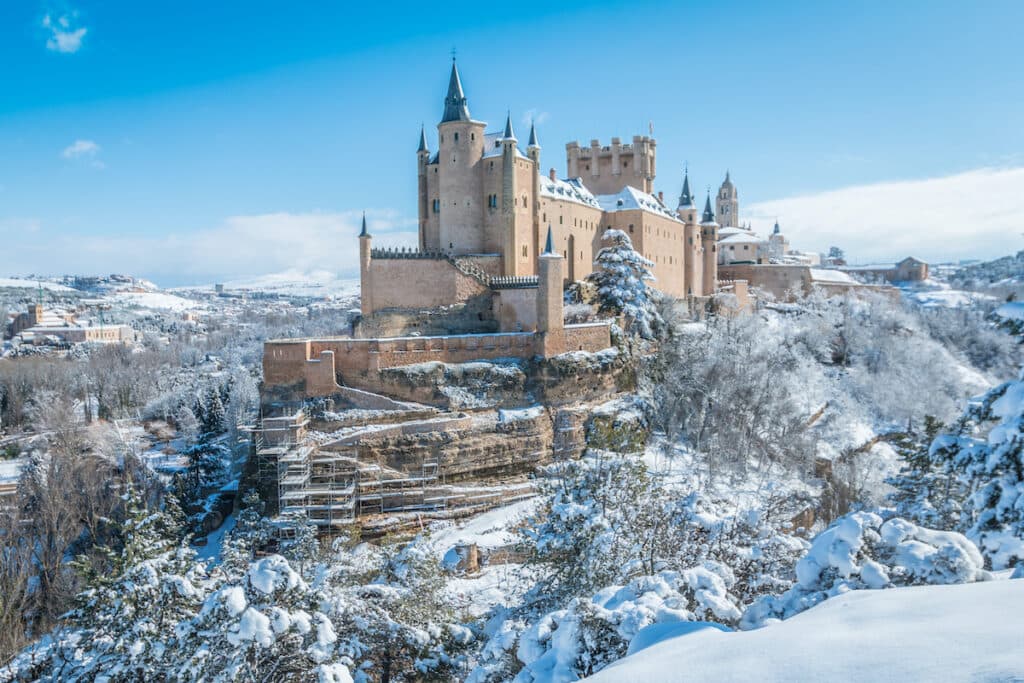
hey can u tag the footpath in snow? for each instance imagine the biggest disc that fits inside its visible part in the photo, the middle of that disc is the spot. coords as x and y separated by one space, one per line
969 632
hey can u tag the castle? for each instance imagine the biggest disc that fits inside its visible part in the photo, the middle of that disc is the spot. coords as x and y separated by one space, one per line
485 209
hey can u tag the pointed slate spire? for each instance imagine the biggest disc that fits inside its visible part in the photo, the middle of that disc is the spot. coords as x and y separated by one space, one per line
533 136
709 215
776 230
423 140
509 134
686 198
455 108
549 247
364 233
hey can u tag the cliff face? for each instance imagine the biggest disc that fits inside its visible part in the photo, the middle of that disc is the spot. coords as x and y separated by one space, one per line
453 439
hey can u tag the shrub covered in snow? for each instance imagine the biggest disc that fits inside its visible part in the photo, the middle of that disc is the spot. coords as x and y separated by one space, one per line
860 551
591 633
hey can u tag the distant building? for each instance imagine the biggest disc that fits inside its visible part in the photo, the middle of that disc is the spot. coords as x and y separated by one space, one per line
909 269
39 326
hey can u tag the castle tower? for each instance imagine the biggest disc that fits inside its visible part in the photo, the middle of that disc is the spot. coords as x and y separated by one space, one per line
460 147
508 196
550 327
607 170
365 283
693 259
727 204
533 152
709 238
422 159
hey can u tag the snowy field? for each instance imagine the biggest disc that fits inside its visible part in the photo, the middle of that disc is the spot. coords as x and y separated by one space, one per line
319 283
969 632
18 283
154 300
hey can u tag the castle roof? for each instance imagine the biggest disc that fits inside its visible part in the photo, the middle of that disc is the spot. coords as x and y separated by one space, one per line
533 137
423 140
709 215
492 146
571 190
631 198
686 198
509 134
549 246
455 108
364 233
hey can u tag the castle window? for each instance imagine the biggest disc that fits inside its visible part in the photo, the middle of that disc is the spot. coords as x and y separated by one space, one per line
456 137
437 206
524 251
559 220
631 227
472 136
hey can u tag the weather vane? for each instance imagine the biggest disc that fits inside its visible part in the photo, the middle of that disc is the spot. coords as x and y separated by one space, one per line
453 53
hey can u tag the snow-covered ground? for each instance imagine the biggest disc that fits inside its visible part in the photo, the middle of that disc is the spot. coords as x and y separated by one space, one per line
18 283
154 300
968 632
320 283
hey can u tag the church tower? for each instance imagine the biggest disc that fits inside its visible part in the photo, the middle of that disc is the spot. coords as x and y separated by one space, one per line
727 204
459 189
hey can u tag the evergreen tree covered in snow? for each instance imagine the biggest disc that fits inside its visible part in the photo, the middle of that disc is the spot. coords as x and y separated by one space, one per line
987 452
621 278
396 624
252 532
124 627
265 626
927 490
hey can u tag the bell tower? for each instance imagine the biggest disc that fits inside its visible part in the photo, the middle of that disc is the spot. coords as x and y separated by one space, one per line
727 204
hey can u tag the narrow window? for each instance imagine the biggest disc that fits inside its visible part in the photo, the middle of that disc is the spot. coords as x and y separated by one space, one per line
524 251
456 137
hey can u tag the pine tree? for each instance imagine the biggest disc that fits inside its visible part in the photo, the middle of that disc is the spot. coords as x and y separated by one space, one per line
621 278
927 490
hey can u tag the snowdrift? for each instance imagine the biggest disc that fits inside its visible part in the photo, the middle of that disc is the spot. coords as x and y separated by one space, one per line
922 633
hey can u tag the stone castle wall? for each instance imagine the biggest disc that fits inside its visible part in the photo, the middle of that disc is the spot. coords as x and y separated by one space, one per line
317 367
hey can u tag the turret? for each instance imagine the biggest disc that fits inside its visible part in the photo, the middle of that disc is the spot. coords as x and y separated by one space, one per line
693 257
709 239
550 327
533 151
365 283
460 148
422 160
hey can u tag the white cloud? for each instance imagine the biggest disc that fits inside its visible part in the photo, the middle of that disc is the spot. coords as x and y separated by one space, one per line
978 214
240 247
64 37
535 116
80 148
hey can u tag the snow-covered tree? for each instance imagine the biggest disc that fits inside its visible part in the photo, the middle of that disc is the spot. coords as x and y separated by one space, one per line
396 624
252 532
927 490
124 627
265 626
621 277
860 551
987 452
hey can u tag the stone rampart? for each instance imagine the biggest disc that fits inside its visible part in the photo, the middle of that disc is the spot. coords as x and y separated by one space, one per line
318 367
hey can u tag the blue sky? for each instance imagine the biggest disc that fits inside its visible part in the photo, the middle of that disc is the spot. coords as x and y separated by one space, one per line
181 141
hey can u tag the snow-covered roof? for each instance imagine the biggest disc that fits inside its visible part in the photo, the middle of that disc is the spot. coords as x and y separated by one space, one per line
741 238
492 146
631 198
571 189
834 276
726 232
